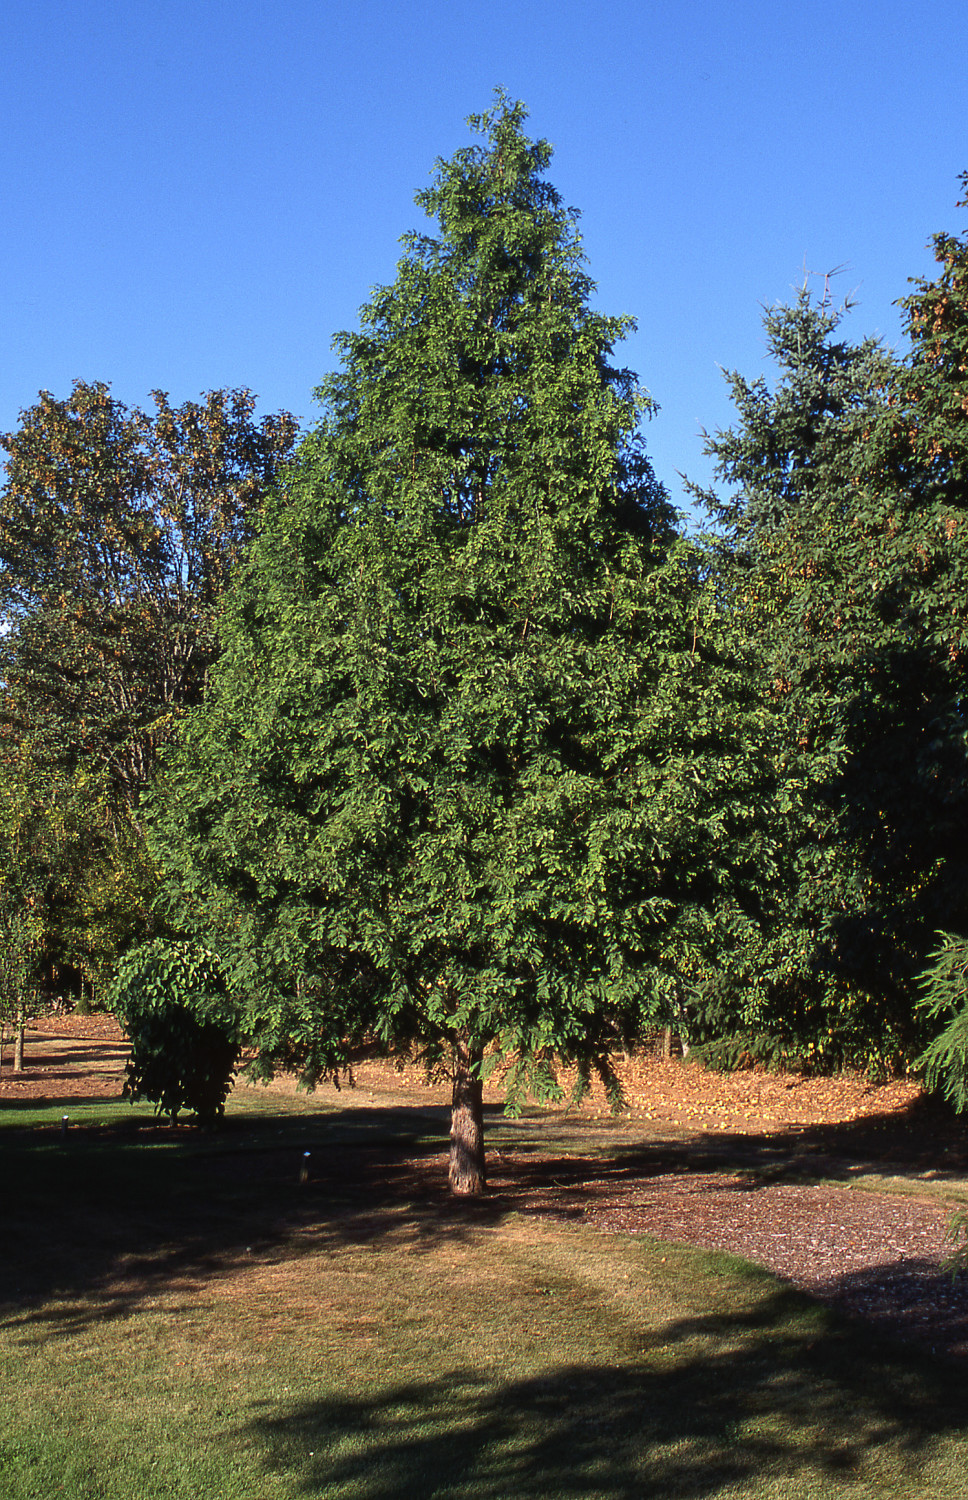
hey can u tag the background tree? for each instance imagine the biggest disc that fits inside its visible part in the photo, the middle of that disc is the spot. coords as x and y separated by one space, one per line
832 561
935 390
117 533
26 864
933 423
461 782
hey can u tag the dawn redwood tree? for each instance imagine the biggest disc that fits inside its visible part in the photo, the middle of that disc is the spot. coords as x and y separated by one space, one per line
461 782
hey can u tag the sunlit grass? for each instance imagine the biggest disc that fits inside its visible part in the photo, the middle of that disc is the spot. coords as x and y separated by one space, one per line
182 1319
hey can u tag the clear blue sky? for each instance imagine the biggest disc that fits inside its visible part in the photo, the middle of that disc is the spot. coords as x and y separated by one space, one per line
201 194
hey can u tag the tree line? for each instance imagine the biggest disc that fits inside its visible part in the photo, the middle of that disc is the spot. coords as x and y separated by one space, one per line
434 727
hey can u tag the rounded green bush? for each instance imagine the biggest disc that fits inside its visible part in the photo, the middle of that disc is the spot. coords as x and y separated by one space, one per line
170 997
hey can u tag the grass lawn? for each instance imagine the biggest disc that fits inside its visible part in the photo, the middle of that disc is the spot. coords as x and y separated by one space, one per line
182 1319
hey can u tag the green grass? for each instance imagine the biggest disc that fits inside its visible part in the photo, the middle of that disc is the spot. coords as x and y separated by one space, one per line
181 1319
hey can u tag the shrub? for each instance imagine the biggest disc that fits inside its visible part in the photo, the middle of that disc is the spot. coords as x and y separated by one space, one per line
184 1029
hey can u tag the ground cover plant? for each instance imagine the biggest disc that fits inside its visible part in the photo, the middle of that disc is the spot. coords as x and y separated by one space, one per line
182 1316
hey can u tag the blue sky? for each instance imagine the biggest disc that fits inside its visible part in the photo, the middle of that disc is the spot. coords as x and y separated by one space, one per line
201 194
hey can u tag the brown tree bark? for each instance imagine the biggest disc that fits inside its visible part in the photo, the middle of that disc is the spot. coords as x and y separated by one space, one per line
18 1036
467 1174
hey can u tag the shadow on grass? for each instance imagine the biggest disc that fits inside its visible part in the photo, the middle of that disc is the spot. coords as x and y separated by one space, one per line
924 1135
720 1402
13 1104
126 1207
53 1050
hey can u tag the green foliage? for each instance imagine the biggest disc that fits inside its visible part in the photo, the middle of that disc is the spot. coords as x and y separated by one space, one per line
28 861
838 568
475 770
957 1262
117 533
91 877
936 385
171 999
944 1000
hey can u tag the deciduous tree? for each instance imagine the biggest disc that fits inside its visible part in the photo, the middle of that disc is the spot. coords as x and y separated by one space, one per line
471 780
117 534
26 861
461 783
118 531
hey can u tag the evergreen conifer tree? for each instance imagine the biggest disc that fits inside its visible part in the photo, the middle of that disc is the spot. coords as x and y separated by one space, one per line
839 560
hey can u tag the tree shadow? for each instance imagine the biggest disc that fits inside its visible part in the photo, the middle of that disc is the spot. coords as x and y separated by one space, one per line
12 1104
718 1401
924 1136
107 1215
110 1055
103 1220
914 1299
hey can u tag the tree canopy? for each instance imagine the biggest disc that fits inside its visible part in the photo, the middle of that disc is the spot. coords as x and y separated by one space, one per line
453 742
843 560
117 534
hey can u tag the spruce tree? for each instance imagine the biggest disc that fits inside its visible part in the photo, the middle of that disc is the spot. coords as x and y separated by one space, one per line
933 425
460 785
839 560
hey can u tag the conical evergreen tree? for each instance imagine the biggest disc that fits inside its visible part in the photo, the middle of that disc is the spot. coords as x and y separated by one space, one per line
459 785
840 563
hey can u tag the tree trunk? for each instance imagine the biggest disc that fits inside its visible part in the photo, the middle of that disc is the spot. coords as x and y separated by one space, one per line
467 1175
18 1036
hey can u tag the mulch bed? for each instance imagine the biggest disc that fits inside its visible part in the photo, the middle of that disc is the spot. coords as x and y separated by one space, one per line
876 1255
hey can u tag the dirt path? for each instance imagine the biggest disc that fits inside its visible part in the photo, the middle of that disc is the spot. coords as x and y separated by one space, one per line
67 1057
841 1187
